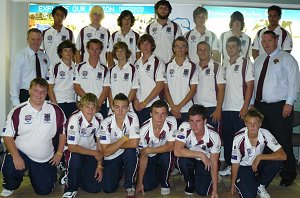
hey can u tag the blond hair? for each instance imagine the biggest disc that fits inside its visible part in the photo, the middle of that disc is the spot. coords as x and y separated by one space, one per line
97 10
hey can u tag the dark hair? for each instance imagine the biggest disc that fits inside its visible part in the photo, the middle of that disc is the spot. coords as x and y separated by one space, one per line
97 41
276 8
159 104
65 44
61 8
126 13
121 45
234 39
149 38
36 30
237 16
271 33
165 3
122 97
200 10
198 110
253 113
204 43
39 81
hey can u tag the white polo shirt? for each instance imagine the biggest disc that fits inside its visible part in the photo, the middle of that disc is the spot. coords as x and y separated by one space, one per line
206 94
52 38
91 80
179 79
131 39
236 83
89 32
245 48
110 132
123 80
23 71
210 142
149 73
164 37
194 37
61 76
286 44
244 153
33 131
167 134
81 132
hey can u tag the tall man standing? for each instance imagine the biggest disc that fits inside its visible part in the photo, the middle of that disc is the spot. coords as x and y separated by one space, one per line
28 64
276 88
56 34
284 40
163 30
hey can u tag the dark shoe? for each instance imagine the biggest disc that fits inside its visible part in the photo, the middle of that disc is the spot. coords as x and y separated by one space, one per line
285 182
189 190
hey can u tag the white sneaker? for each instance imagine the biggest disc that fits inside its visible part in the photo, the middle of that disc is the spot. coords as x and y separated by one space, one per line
70 194
130 192
165 191
6 193
226 171
261 192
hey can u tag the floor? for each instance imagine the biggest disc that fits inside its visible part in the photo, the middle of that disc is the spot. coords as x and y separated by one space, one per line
177 190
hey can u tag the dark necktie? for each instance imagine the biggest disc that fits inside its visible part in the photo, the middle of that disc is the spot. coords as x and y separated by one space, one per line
261 79
37 66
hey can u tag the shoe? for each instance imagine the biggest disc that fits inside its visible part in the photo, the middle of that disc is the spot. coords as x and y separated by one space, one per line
6 193
226 171
189 190
70 194
285 182
165 191
262 193
130 193
175 172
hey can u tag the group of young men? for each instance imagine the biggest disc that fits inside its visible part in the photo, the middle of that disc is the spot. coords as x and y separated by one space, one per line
168 97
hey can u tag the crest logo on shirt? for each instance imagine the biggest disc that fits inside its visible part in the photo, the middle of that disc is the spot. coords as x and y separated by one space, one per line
236 68
148 68
4 128
63 37
206 39
207 72
71 127
115 77
274 141
193 38
203 147
277 36
89 35
154 30
45 61
131 41
83 132
50 37
243 42
93 131
62 74
84 74
126 76
169 30
102 36
249 152
47 117
137 66
99 75
185 72
172 72
119 39
28 119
